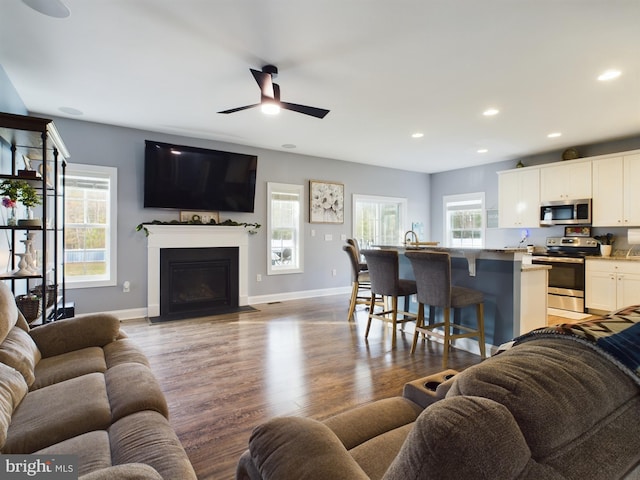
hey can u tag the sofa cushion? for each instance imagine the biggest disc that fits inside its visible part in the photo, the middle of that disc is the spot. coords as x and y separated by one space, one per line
465 437
59 412
568 377
375 455
69 334
13 388
123 351
125 400
92 449
147 437
355 427
62 367
8 310
293 448
20 352
130 471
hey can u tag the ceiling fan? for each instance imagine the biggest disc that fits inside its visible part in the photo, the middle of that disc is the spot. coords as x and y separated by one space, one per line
270 96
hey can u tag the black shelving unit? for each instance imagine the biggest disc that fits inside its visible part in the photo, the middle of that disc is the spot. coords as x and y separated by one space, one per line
31 149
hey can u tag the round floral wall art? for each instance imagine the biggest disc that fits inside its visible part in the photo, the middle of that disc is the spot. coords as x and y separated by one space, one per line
326 202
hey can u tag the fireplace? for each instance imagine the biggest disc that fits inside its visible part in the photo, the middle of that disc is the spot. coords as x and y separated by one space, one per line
196 282
195 237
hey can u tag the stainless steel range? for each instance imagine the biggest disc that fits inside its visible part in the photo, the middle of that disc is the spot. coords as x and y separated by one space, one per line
566 256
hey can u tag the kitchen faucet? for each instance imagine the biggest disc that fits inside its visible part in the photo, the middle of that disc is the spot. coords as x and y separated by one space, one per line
408 234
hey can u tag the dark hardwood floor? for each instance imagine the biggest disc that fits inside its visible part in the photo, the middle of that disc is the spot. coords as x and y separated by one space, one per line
224 375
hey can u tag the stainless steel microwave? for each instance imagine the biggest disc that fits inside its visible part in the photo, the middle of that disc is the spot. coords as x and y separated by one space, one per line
566 212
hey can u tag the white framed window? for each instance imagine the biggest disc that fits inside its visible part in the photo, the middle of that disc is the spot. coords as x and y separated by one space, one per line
464 224
378 220
284 228
90 219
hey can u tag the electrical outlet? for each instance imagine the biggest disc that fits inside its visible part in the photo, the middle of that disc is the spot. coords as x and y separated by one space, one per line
334 272
126 286
258 278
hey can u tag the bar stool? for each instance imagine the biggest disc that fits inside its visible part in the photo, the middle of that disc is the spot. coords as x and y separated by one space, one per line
432 271
359 281
354 243
385 280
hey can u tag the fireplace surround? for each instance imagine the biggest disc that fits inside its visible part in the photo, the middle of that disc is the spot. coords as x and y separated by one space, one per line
193 237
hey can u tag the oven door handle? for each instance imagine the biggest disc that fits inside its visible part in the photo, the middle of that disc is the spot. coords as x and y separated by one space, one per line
540 259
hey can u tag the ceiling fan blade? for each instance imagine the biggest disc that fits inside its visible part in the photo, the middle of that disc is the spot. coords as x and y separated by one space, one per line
313 111
233 110
265 82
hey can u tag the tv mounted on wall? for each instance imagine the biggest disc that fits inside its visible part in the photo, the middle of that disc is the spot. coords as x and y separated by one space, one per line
191 178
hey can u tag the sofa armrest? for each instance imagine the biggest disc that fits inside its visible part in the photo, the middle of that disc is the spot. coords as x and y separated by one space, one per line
291 448
62 336
128 471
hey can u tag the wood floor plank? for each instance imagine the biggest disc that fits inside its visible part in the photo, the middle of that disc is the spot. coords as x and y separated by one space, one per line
224 375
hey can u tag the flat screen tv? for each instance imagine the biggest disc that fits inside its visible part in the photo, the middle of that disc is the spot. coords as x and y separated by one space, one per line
190 178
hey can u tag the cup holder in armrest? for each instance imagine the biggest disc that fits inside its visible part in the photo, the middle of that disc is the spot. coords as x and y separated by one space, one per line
432 385
425 391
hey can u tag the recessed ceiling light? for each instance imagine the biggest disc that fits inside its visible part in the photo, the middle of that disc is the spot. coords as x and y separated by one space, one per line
609 75
417 135
554 135
288 145
50 8
489 112
483 150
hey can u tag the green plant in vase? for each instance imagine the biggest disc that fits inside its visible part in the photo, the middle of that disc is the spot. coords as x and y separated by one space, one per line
22 191
606 243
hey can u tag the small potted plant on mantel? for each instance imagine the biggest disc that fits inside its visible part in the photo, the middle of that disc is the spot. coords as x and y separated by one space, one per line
606 243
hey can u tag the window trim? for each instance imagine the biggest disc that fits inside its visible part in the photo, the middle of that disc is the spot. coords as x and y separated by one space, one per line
446 199
73 169
274 187
404 209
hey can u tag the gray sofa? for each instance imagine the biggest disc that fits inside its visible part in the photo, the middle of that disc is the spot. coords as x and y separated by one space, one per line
80 387
553 406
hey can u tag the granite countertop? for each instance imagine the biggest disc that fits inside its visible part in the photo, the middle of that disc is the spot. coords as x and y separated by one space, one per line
619 255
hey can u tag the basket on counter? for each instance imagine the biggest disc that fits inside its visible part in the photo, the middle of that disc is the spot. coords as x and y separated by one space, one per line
30 306
51 294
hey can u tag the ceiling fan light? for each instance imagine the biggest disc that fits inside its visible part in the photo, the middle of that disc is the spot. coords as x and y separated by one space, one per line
270 108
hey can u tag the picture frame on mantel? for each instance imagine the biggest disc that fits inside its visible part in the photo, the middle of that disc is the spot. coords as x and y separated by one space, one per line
326 202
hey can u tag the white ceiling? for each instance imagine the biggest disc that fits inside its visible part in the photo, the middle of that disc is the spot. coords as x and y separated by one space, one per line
385 69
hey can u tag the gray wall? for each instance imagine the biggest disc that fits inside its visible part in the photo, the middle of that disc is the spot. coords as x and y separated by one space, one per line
484 178
10 101
98 144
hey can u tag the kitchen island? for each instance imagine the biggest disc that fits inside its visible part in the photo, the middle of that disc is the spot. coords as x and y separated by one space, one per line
515 294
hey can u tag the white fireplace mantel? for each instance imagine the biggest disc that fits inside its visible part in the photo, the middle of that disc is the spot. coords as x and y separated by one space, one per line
193 236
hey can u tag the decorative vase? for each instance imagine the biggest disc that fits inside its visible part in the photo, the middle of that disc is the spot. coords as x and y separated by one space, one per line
22 265
605 250
29 221
12 220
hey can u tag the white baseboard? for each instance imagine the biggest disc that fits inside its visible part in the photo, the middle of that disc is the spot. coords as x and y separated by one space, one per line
129 314
283 297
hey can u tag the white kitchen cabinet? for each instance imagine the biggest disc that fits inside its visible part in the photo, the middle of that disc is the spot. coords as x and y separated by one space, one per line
615 193
534 282
568 181
612 284
519 198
